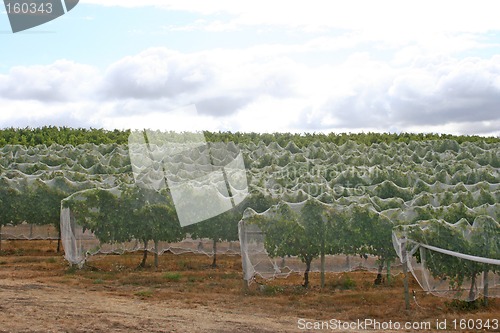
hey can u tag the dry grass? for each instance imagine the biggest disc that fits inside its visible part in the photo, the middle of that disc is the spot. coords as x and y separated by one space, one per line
189 278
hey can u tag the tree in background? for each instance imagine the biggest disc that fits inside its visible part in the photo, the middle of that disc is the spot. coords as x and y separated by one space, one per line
484 240
9 206
40 204
442 266
130 213
220 228
287 234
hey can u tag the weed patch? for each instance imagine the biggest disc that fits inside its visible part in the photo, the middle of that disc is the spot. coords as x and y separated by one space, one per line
172 276
144 293
344 282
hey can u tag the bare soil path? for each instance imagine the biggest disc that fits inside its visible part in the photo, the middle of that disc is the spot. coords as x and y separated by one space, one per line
40 293
30 306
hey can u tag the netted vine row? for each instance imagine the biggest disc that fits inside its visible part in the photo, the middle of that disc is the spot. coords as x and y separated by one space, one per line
339 202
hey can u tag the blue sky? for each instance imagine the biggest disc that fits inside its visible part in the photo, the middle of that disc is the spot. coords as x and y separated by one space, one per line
264 66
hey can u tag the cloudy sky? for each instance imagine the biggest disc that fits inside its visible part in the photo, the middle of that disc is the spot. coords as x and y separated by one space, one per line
263 66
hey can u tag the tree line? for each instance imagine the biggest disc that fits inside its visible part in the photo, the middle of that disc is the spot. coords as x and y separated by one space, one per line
134 213
49 135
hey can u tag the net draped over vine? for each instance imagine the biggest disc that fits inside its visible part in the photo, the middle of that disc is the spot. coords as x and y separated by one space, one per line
289 237
177 184
34 180
371 190
459 260
350 202
126 219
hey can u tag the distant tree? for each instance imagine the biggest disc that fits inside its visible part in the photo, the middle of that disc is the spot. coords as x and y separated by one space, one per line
136 213
9 207
484 240
220 228
288 233
40 204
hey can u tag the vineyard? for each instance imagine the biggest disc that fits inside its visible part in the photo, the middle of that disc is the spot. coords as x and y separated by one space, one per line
318 206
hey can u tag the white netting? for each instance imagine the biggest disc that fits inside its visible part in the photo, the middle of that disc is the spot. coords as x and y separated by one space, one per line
131 218
29 231
460 260
381 185
398 183
285 237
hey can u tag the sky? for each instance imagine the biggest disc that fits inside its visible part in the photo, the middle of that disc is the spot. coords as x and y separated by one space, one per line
260 66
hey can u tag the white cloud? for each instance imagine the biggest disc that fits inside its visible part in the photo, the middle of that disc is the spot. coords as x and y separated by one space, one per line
61 81
434 93
250 90
156 73
219 82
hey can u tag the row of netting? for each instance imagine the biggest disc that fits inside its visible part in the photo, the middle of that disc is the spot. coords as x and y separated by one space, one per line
402 183
462 259
28 231
313 236
467 163
459 260
405 190
131 218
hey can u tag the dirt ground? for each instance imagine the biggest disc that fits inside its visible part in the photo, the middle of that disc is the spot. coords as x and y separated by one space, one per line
31 306
40 293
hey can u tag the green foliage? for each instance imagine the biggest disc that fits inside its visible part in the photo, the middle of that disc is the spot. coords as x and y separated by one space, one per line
343 282
481 240
361 230
172 276
145 293
223 227
40 204
445 236
9 205
484 240
272 290
432 176
137 213
49 135
295 234
463 306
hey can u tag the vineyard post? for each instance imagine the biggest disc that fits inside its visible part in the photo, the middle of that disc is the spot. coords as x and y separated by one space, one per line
405 272
245 285
323 266
486 287
59 240
323 255
388 262
243 249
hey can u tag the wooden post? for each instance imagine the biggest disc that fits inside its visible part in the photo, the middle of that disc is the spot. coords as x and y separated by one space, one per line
245 286
486 287
156 254
405 272
322 269
388 262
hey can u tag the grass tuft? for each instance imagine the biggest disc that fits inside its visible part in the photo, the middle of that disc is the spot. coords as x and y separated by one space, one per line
172 276
344 282
144 293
